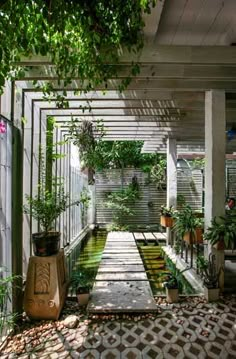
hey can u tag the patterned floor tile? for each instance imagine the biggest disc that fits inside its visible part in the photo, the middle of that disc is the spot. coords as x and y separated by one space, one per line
224 330
131 353
231 347
215 350
90 354
180 322
193 351
169 336
130 339
111 340
152 352
164 322
173 351
148 337
205 334
110 354
187 335
146 324
92 341
112 327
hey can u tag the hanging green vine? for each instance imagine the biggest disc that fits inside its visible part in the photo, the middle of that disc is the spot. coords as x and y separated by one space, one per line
82 39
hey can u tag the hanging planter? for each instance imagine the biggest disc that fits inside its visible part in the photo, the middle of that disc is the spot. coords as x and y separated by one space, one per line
166 221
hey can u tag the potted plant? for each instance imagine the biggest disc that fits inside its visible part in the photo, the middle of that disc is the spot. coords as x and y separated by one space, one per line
173 282
210 276
81 284
188 226
222 233
46 207
166 219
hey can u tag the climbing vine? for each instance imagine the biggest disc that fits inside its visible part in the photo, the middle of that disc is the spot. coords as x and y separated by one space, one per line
82 39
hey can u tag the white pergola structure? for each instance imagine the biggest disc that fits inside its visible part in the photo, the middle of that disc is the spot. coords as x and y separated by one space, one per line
183 100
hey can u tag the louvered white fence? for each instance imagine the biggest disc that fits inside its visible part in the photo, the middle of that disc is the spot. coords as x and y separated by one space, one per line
147 209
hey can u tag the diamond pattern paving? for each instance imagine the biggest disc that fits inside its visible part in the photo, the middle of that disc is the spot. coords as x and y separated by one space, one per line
172 333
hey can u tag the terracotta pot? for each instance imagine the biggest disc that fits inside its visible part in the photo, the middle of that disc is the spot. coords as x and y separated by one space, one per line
46 244
172 295
191 238
166 221
211 294
199 235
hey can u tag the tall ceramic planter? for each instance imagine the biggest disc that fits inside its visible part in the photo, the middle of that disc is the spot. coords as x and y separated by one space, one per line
166 221
46 244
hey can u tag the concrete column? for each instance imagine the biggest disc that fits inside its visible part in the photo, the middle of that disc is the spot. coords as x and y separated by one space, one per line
215 125
171 157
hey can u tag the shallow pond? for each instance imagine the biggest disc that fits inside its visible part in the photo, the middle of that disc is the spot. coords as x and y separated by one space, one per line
87 255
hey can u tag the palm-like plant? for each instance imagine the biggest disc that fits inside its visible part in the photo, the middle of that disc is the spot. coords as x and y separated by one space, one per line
186 222
222 229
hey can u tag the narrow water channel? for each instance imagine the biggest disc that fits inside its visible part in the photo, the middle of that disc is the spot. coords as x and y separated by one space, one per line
86 258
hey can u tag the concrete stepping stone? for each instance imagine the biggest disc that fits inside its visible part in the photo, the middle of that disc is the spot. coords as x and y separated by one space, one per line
121 283
121 276
121 296
120 268
138 236
149 236
159 235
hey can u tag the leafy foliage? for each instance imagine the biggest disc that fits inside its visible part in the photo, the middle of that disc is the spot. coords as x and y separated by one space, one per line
158 174
81 38
47 206
82 280
99 154
7 319
84 201
51 199
167 211
119 202
186 221
208 272
173 276
222 228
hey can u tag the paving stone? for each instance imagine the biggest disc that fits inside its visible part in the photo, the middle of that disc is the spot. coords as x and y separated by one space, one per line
121 276
138 235
149 235
90 354
120 268
131 353
193 351
127 296
152 352
110 354
215 350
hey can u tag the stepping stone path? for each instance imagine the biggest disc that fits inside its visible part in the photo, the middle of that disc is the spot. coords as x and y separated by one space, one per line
121 283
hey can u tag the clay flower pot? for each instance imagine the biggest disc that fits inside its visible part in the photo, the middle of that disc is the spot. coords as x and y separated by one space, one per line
166 221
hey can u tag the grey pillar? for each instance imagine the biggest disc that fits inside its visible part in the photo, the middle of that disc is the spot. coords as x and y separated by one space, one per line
215 162
171 157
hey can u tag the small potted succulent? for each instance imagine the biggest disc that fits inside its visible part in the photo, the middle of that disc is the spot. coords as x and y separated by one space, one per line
210 276
222 233
166 219
81 284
